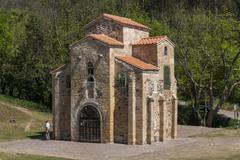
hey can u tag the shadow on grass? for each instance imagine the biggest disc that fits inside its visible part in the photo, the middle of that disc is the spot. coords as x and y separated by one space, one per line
39 136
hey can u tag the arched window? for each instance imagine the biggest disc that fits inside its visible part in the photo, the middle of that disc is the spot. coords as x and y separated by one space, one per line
122 80
90 68
90 87
165 50
166 77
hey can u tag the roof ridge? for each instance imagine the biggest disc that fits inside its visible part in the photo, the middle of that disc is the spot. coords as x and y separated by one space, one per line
151 40
163 36
118 19
107 14
102 38
138 63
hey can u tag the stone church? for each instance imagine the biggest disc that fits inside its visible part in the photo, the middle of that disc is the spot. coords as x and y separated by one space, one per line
119 86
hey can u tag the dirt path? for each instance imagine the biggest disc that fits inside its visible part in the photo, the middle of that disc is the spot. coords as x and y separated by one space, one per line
24 110
193 142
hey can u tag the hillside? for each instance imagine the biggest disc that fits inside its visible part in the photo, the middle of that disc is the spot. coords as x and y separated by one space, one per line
29 123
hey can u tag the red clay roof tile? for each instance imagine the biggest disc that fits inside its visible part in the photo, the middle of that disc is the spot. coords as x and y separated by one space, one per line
125 21
150 40
103 38
121 20
106 39
137 63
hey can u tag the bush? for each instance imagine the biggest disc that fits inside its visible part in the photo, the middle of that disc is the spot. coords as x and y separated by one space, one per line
187 116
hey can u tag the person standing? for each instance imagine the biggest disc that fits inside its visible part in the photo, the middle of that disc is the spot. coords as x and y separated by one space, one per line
235 106
47 130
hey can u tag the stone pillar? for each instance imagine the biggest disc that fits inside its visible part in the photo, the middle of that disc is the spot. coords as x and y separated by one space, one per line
162 127
109 133
174 117
55 86
132 109
150 137
141 110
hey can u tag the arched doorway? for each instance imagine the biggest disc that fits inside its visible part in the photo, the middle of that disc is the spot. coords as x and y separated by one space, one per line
89 125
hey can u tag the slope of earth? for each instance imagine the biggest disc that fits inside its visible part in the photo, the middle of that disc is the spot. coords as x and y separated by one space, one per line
28 123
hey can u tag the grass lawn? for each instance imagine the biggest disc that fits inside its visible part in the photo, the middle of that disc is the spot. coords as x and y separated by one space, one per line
29 123
230 157
7 156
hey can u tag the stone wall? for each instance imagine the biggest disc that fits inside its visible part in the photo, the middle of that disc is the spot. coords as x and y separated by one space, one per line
152 86
167 60
131 35
61 104
121 107
121 33
90 51
106 27
147 53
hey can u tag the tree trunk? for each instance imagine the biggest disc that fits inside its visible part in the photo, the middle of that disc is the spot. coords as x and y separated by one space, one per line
210 116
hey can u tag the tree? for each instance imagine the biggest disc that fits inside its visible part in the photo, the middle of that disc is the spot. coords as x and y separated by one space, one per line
208 57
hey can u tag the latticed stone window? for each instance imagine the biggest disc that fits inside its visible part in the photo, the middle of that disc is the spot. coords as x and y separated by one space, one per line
122 80
166 77
90 68
165 50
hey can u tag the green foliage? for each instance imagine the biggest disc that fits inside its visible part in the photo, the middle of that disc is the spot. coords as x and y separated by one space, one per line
187 116
35 38
8 156
23 103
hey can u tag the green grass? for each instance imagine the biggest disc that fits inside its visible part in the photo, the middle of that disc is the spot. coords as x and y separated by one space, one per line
7 156
13 131
23 103
230 157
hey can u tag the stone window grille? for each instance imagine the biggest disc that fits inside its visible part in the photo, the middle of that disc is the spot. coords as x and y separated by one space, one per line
165 50
90 87
90 68
166 78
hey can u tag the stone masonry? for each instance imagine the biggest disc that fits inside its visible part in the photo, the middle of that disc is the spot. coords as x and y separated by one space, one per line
119 86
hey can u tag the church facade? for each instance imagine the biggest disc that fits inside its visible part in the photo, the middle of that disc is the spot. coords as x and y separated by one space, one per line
119 86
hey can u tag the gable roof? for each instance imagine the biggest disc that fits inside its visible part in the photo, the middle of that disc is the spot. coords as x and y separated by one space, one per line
102 38
121 20
61 67
152 40
137 63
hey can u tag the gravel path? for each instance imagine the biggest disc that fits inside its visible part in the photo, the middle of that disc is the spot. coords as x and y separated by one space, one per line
229 114
197 145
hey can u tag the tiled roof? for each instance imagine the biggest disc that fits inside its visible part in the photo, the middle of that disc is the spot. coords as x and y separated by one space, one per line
103 38
150 40
125 21
58 68
121 20
137 63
